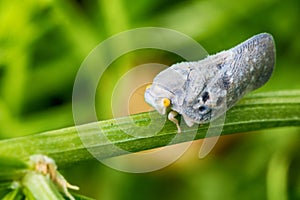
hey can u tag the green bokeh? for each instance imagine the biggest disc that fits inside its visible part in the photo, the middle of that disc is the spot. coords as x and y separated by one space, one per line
43 42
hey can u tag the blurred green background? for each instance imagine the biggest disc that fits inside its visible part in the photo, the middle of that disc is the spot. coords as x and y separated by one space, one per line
43 43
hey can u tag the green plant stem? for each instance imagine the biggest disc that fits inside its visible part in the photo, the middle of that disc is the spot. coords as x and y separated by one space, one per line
254 112
39 186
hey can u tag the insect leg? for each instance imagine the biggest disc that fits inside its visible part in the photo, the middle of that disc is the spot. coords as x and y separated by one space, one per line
171 117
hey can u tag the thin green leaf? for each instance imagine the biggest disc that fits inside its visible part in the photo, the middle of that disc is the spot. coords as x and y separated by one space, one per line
254 112
15 194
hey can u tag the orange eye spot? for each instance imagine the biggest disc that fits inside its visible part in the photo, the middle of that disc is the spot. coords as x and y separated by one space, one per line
166 102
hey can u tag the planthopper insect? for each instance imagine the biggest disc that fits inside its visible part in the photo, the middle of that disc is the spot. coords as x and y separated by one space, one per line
198 90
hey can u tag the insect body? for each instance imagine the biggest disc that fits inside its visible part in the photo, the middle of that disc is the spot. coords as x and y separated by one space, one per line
198 90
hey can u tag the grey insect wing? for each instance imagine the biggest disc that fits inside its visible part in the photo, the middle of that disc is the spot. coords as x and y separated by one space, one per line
200 90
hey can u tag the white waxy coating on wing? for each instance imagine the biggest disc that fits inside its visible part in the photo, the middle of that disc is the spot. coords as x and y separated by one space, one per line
198 90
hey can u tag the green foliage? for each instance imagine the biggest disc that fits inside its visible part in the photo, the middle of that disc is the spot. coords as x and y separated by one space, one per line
256 112
43 42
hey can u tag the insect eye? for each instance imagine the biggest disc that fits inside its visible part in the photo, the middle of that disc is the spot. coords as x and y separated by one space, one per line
202 108
166 102
205 97
148 86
